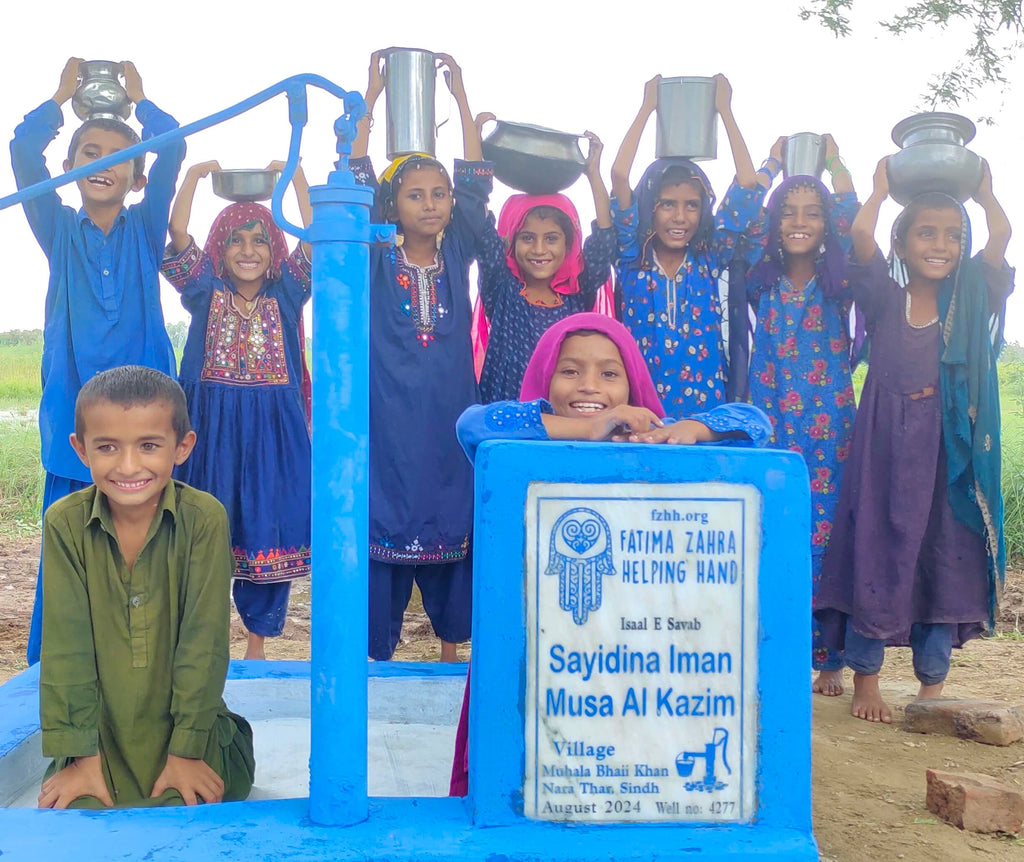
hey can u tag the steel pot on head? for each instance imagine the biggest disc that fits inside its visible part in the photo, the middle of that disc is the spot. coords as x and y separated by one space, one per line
803 155
687 123
933 157
534 159
410 76
245 185
99 92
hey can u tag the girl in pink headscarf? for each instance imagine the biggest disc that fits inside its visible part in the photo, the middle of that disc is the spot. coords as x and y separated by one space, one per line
587 380
242 371
535 269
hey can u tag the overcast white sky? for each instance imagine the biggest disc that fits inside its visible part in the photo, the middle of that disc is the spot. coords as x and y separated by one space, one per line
570 66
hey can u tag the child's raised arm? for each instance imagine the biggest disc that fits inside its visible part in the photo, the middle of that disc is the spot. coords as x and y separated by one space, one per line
771 166
471 146
374 87
999 230
602 203
627 149
863 229
68 81
181 212
842 179
745 175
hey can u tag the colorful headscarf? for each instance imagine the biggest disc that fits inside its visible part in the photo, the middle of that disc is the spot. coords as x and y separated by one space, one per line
565 281
537 379
510 222
830 267
646 196
972 337
240 215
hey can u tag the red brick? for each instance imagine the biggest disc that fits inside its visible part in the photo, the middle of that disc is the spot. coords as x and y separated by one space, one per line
986 721
977 803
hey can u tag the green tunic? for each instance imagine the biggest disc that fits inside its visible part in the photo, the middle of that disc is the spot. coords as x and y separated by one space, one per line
134 660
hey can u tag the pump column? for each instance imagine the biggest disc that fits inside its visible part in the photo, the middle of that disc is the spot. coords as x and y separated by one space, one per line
340 234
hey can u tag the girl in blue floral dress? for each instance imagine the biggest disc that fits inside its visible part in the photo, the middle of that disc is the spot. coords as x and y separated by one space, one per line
800 365
535 269
242 373
672 249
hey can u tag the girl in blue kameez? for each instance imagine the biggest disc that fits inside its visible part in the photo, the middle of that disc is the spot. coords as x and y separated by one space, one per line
421 379
536 269
671 252
242 373
799 371
587 380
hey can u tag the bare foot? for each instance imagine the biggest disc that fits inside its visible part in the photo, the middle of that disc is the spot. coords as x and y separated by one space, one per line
930 692
254 647
867 699
828 683
448 651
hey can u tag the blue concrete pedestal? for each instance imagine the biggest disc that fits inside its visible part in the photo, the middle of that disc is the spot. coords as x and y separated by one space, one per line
777 822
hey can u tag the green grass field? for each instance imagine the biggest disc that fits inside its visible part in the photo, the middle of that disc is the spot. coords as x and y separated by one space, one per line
21 474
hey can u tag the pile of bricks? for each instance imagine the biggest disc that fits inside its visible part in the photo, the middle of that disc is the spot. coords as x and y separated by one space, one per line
968 800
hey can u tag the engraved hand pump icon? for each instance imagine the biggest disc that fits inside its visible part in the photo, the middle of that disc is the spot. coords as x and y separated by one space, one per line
686 760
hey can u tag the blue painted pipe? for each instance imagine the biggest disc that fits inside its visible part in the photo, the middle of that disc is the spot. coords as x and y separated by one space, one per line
294 86
340 235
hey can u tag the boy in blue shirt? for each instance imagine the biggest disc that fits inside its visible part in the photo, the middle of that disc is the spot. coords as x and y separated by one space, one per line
103 297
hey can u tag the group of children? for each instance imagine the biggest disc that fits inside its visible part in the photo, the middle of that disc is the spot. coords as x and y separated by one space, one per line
162 493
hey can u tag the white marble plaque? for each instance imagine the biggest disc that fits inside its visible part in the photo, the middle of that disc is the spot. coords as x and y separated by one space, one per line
642 632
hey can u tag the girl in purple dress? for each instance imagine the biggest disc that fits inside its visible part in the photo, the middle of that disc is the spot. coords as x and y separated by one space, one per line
800 364
917 554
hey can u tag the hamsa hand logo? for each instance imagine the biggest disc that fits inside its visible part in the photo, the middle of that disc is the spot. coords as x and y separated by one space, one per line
580 553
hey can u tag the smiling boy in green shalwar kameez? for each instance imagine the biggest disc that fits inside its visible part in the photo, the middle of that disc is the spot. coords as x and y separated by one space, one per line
135 621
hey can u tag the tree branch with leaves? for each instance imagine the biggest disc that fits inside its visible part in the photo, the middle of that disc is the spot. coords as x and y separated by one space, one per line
996 35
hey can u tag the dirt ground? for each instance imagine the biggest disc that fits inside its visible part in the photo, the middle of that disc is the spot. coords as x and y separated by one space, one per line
869 780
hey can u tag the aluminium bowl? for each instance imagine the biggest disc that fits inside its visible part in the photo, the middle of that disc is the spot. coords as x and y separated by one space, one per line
245 185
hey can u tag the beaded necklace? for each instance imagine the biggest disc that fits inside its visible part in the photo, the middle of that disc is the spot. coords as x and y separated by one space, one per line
912 325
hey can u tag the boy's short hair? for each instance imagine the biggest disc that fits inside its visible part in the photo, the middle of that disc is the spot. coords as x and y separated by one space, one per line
134 386
109 124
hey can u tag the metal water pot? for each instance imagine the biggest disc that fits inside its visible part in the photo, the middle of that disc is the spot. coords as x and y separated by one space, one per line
687 120
534 159
410 75
803 155
933 157
245 184
99 92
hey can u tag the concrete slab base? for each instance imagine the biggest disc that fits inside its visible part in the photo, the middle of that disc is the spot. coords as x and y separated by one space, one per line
414 710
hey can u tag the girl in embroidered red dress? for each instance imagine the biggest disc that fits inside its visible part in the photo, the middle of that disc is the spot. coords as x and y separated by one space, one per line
243 370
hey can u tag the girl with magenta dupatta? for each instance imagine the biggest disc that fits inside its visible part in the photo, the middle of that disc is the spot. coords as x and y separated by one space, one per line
672 249
587 380
535 269
242 371
917 552
799 371
421 379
